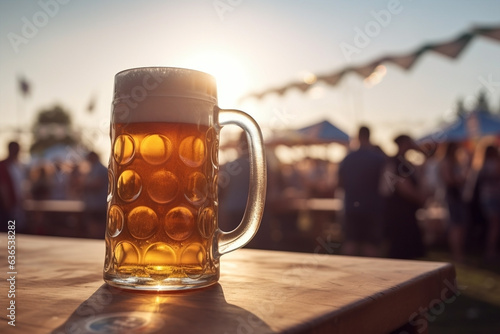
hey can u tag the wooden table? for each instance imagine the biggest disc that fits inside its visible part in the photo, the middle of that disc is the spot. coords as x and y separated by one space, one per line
59 289
64 206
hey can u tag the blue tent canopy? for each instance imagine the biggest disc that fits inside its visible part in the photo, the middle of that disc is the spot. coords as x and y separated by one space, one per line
475 124
322 133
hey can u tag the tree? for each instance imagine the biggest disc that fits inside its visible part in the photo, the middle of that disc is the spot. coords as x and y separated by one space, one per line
52 128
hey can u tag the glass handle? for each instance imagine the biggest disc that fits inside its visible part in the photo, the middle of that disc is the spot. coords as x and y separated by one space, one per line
246 230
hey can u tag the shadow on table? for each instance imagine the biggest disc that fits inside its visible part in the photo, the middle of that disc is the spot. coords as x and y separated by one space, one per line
111 310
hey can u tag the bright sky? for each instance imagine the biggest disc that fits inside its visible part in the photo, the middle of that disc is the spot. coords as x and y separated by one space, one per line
76 48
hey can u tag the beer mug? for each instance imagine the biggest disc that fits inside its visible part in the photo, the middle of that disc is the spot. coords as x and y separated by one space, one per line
162 231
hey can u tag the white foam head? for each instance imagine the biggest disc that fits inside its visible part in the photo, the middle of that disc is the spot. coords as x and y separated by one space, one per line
163 94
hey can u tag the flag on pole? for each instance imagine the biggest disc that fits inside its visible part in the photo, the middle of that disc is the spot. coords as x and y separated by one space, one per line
91 105
24 86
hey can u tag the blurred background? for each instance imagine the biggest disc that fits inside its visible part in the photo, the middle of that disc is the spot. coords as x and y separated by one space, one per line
68 54
311 73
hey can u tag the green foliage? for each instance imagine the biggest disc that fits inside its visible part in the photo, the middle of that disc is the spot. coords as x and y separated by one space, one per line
54 115
44 130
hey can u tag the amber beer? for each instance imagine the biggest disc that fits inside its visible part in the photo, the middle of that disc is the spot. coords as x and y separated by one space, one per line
161 219
162 231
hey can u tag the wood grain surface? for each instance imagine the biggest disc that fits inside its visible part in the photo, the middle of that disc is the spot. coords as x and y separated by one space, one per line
59 289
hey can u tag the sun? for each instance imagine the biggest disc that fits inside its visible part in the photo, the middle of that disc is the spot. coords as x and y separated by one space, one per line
229 73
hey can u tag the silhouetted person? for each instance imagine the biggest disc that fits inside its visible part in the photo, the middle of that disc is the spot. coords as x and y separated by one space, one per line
95 190
489 198
430 170
59 187
12 176
403 200
40 190
359 176
234 182
453 178
40 186
75 180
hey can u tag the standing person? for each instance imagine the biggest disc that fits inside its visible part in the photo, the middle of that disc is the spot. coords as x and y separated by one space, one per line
40 190
453 178
489 198
12 176
95 191
403 200
59 181
359 175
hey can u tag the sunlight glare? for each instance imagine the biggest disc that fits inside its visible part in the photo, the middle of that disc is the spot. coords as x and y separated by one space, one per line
230 75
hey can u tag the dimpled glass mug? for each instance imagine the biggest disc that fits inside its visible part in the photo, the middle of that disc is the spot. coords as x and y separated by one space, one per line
161 230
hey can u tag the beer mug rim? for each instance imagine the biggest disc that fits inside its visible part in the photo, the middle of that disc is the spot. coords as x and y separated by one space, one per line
162 68
161 81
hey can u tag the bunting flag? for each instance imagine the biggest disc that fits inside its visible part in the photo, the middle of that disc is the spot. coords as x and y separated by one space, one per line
450 49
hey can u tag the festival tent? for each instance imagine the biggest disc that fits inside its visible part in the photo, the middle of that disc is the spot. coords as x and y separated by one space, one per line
319 133
473 125
323 133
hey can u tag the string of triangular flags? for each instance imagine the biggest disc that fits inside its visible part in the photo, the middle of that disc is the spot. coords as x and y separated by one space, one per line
450 49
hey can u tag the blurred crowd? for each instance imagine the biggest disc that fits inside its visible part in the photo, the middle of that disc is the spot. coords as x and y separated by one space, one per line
388 204
54 197
426 194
